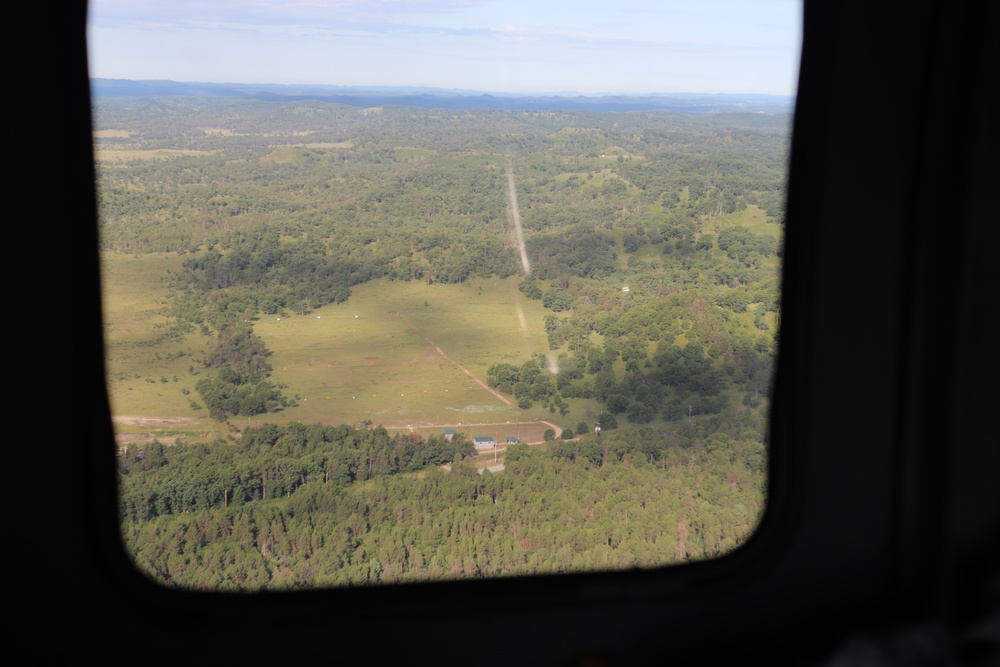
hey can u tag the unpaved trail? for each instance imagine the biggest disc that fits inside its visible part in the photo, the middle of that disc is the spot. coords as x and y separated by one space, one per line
516 215
557 429
458 365
520 314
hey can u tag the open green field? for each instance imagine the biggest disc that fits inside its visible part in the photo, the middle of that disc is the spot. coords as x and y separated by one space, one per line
149 372
360 360
344 363
751 217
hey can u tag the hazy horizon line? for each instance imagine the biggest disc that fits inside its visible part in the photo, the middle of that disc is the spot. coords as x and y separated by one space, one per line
454 90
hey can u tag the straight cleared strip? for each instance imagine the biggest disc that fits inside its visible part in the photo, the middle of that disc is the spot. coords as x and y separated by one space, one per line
519 234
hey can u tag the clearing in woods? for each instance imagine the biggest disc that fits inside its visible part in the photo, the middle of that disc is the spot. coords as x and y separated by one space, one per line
421 370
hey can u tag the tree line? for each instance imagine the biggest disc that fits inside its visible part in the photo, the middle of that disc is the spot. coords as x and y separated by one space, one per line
633 498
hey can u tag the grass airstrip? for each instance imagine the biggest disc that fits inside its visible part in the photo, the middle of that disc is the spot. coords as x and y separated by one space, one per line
404 355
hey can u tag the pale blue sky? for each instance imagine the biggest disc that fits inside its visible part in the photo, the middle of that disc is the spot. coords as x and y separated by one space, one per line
524 46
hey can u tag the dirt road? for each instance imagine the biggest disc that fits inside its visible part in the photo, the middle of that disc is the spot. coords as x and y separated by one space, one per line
515 213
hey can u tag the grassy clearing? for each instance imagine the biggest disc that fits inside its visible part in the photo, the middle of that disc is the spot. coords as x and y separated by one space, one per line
328 144
752 217
344 363
135 294
287 155
147 376
650 255
113 134
116 155
621 257
359 360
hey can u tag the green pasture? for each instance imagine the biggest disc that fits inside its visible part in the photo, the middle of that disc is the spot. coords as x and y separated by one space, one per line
327 144
648 255
359 360
344 363
286 155
621 257
148 371
751 217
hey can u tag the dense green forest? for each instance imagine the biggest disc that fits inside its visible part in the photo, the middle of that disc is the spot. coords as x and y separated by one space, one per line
654 242
306 506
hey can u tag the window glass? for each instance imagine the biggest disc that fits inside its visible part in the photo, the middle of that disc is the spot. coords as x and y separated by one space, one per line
407 291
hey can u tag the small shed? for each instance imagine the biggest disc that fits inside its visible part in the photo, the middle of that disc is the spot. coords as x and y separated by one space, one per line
449 434
511 440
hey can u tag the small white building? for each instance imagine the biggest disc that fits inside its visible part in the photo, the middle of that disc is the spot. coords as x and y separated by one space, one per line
484 442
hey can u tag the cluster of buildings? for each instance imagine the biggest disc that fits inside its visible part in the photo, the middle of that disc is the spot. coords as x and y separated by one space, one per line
482 443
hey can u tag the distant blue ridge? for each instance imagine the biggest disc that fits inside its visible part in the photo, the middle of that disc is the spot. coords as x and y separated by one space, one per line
442 98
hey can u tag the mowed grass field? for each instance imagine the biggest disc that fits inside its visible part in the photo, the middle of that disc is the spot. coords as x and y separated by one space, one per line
148 376
344 363
374 356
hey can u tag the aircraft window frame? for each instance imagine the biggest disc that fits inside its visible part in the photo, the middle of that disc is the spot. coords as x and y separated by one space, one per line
792 583
613 572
